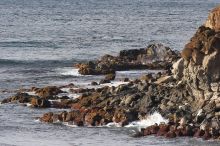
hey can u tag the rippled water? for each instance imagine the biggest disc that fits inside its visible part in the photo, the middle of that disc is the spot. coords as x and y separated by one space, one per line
41 39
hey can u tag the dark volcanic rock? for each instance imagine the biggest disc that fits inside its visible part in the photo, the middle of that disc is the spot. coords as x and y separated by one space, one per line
155 56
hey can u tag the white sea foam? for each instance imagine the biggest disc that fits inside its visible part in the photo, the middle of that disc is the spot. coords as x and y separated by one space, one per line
68 71
113 124
31 93
74 96
114 83
37 120
70 124
54 100
28 104
65 89
138 72
150 120
67 93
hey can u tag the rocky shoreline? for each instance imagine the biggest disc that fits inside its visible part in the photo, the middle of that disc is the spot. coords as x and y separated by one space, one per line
186 93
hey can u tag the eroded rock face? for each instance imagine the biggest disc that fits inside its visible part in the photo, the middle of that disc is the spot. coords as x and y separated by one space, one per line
201 59
213 20
199 68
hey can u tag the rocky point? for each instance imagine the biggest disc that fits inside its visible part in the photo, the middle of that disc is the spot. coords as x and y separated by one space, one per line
189 96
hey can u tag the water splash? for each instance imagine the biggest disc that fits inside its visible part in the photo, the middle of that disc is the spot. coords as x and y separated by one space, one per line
150 120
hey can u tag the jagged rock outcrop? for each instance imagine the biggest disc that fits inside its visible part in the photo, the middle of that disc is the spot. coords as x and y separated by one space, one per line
199 67
155 56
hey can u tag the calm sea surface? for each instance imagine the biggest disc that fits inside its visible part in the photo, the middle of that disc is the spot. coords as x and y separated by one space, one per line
41 39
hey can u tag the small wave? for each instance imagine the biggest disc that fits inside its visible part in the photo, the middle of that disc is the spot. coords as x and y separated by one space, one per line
70 124
31 93
4 144
113 124
34 44
150 120
28 104
135 126
37 120
70 95
38 63
113 83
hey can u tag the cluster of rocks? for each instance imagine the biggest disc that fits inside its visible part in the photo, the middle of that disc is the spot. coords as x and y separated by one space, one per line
189 96
173 130
155 56
122 104
42 98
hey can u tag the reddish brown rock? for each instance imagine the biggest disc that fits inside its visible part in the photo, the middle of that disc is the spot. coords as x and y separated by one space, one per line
150 130
163 130
47 117
63 103
199 133
40 102
170 134
48 91
75 116
213 20
207 135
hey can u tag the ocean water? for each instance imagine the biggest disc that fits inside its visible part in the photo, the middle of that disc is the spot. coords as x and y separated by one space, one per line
40 40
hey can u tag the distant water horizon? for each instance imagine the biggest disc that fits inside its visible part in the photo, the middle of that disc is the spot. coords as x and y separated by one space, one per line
41 40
